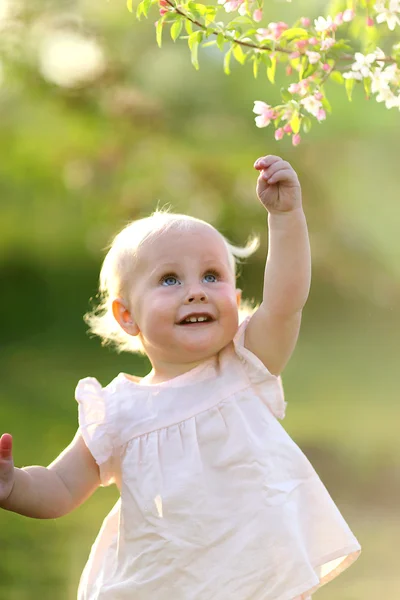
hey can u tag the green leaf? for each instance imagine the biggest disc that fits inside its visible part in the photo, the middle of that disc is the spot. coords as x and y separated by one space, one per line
326 105
188 26
212 43
309 70
139 10
159 30
129 5
285 95
306 124
293 34
367 86
337 77
194 54
295 122
176 29
272 70
220 41
195 38
210 15
239 54
349 85
146 7
227 60
256 64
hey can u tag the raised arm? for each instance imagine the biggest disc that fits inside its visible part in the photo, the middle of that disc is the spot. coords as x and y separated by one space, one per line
274 328
47 492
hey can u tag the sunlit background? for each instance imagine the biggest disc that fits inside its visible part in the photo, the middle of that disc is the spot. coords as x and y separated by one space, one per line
97 126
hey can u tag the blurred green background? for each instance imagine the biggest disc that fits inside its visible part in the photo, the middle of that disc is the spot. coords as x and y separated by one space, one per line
94 135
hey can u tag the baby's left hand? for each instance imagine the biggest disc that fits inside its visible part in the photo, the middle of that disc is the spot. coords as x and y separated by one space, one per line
278 187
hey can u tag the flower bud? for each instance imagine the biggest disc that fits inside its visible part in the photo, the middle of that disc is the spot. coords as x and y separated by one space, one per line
296 139
279 134
305 22
258 15
370 22
287 128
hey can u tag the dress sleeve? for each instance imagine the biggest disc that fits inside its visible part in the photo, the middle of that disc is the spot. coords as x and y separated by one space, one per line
95 424
269 386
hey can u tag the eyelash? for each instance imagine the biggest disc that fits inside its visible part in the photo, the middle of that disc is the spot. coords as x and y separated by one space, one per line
209 272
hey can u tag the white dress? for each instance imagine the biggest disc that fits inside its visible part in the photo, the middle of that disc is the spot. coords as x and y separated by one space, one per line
217 501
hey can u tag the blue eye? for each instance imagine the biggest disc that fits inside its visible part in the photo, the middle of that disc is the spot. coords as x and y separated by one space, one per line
212 276
169 280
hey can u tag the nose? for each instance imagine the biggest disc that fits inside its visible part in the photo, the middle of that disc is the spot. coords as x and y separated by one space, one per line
196 295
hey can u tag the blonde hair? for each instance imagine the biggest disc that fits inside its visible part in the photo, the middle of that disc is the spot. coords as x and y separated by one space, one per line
118 264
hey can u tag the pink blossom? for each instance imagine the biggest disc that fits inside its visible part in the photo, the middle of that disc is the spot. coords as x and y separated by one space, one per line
294 88
318 96
305 22
321 115
338 19
348 15
313 41
265 112
327 43
279 134
301 44
258 15
296 139
277 29
370 22
294 54
325 67
288 128
163 11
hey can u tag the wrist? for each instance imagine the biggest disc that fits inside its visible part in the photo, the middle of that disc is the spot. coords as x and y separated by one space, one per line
6 503
287 217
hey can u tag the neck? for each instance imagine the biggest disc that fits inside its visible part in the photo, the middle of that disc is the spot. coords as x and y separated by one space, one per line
166 372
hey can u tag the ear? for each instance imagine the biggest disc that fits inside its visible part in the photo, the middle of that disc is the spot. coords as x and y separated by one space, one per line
238 297
124 317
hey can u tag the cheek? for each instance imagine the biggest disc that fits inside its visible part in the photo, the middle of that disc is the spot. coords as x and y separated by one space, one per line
159 306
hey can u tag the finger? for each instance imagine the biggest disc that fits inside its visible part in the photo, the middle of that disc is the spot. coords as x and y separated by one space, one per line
6 445
276 168
282 175
266 161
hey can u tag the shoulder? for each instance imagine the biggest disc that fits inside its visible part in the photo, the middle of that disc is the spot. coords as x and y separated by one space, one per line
237 358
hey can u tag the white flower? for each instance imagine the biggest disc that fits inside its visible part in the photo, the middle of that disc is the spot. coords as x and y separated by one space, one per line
389 15
69 60
322 24
353 75
378 81
390 100
363 63
311 104
313 57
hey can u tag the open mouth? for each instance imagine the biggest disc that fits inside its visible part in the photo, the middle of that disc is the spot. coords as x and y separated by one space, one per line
196 320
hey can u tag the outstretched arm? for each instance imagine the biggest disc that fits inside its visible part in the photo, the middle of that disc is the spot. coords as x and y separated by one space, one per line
47 492
274 328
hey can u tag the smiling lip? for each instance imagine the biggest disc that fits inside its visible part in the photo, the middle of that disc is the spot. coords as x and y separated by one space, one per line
209 317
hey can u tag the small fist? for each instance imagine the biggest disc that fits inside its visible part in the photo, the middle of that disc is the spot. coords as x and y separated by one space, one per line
278 187
6 467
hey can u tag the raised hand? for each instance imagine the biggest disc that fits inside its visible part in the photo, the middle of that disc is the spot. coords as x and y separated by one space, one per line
6 467
278 187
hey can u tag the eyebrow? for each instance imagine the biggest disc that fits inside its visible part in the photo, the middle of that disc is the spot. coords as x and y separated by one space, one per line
174 266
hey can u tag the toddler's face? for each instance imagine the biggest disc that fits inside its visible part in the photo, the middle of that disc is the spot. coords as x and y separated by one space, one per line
181 275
